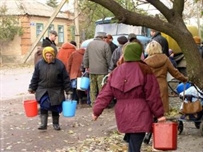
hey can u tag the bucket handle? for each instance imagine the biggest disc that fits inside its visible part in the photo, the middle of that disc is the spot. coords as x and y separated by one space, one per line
104 80
84 73
25 95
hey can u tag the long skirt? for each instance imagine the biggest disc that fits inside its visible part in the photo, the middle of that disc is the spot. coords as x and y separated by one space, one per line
46 104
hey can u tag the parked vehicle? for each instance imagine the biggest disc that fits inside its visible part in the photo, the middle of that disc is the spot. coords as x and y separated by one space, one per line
119 29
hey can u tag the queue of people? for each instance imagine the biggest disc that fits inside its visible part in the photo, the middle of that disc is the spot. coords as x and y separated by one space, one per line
137 82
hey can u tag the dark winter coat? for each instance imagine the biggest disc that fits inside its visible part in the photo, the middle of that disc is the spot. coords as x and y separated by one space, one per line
112 46
200 48
115 57
138 97
47 42
162 41
51 78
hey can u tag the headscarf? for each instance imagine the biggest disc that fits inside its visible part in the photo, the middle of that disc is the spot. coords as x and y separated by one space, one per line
48 50
132 52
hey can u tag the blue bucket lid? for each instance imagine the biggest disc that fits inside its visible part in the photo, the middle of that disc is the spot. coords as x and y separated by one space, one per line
180 87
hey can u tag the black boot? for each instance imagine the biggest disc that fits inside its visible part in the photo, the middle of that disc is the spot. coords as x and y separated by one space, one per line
43 125
56 122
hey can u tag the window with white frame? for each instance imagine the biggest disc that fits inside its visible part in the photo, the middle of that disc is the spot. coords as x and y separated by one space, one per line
51 28
39 28
60 33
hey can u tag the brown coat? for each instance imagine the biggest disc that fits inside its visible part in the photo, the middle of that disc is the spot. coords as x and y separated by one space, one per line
161 65
74 63
65 51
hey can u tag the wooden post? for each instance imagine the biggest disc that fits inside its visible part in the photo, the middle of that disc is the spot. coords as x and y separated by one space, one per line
44 30
76 16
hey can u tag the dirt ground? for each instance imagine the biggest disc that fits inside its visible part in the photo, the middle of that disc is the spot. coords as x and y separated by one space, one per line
78 134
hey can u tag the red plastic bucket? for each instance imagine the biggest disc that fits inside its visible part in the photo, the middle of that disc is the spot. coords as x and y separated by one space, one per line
30 107
165 135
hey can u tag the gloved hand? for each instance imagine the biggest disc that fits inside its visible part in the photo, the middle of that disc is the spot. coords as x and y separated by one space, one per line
69 95
31 91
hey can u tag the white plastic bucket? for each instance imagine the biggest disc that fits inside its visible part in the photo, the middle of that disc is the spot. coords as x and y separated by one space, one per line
78 84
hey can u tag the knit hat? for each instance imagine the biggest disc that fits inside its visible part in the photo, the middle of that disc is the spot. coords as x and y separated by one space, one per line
122 40
132 52
48 50
101 34
131 36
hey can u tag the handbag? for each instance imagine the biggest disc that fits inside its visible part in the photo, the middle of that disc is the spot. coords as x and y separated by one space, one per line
192 107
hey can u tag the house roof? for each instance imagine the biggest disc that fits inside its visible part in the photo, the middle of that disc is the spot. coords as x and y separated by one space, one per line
30 7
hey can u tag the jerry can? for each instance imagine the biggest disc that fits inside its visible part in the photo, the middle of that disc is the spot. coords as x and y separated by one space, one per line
165 135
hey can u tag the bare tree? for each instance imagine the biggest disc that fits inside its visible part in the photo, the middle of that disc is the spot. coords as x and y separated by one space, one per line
9 28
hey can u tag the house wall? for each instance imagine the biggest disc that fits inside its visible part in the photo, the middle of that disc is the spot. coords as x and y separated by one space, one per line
63 22
17 49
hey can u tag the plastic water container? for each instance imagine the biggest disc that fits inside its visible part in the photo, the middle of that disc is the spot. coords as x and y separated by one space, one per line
180 88
165 135
30 107
69 108
85 81
78 84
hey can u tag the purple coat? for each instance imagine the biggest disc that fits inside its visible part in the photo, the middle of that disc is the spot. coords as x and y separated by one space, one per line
138 97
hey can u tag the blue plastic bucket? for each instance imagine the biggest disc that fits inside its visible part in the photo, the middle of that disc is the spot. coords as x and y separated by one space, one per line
181 86
69 108
84 83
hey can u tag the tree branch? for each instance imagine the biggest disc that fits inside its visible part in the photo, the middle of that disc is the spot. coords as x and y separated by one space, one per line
125 16
111 5
178 6
162 8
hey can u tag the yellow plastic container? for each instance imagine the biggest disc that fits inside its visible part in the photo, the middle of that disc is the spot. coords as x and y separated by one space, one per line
174 45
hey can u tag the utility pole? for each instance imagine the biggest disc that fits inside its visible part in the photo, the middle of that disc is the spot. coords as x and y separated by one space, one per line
76 16
44 30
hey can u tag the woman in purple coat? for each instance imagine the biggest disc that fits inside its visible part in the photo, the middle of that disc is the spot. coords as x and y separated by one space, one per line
138 97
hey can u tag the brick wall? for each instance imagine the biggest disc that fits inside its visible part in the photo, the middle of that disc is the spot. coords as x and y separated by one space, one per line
26 37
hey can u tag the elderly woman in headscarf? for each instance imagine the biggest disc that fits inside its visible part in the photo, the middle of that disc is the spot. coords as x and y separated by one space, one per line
48 82
136 89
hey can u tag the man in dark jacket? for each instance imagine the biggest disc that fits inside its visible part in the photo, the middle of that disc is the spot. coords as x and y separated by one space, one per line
109 40
48 41
96 61
117 53
156 35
